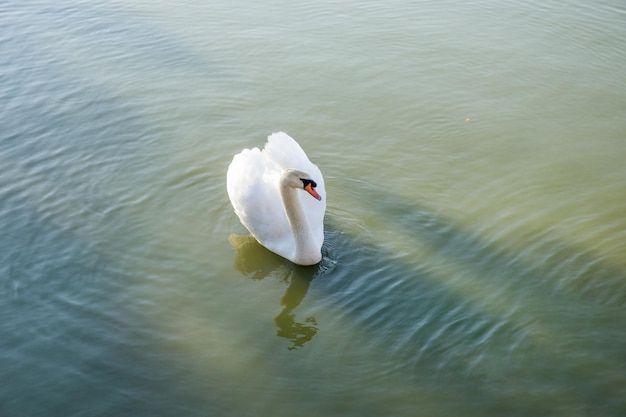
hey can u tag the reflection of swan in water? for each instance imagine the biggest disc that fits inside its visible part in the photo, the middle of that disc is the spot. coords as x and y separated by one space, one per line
256 262
288 327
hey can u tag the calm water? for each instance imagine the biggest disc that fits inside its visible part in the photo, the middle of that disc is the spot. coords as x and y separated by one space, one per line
475 253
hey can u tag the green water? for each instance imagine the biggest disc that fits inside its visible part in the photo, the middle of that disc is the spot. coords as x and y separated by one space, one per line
474 257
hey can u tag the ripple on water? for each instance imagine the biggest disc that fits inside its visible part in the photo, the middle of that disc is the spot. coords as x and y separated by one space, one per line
417 323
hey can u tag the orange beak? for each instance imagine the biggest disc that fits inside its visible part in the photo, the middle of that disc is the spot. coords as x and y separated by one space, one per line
309 189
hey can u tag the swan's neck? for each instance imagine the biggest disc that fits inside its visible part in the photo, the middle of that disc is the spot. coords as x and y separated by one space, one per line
305 251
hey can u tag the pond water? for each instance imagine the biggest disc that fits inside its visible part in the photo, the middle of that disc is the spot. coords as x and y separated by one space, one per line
475 237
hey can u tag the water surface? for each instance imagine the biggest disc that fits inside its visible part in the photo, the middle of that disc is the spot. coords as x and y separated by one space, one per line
475 234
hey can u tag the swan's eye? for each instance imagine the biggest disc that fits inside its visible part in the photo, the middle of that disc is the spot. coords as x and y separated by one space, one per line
309 187
307 182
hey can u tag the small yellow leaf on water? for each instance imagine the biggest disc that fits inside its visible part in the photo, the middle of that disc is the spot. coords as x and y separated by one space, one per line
467 119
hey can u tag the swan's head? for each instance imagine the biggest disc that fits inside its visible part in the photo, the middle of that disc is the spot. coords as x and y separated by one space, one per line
297 179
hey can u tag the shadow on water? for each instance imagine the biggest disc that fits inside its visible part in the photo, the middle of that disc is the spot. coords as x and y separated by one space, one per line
70 338
67 150
256 262
563 268
486 339
523 325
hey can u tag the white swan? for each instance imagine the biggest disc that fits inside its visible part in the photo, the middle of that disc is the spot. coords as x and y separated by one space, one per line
266 188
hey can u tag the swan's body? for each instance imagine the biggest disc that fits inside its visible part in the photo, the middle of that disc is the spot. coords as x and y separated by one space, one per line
267 190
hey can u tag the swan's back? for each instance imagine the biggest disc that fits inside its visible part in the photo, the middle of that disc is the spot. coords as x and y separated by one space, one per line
252 183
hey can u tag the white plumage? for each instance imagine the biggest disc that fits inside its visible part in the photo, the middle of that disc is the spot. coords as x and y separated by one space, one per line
254 187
